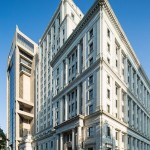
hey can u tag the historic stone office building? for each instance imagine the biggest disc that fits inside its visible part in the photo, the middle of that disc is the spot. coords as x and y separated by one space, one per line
90 91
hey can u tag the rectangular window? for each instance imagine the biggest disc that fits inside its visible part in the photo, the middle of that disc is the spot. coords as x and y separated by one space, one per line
116 103
108 93
73 57
108 47
123 59
123 138
91 80
108 60
108 33
90 109
57 81
57 90
91 48
51 144
57 71
91 61
91 131
116 90
91 94
91 33
108 108
73 69
108 79
57 104
72 16
72 107
108 131
72 95
117 135
69 72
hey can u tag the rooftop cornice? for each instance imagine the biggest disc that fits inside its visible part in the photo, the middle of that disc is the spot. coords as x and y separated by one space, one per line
124 39
104 4
86 19
53 18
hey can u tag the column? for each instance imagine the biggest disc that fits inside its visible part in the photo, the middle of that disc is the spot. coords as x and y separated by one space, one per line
131 75
126 108
84 98
140 145
61 142
78 59
148 127
57 142
84 52
135 144
143 122
67 63
131 109
139 125
120 61
126 70
136 84
146 99
142 98
61 110
136 112
120 104
48 43
120 140
126 142
62 75
78 99
146 146
73 139
66 107
113 132
131 142
79 138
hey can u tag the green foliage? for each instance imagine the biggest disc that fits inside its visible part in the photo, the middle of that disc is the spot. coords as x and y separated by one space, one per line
3 140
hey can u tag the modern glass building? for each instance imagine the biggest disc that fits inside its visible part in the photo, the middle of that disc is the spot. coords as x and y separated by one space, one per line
11 81
20 83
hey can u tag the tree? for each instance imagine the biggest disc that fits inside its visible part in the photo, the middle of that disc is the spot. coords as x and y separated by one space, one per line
2 139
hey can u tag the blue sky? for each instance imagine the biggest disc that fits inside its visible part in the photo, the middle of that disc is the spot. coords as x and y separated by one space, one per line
32 17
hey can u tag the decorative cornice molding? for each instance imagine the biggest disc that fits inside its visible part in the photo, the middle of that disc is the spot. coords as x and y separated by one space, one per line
124 39
86 19
101 5
76 118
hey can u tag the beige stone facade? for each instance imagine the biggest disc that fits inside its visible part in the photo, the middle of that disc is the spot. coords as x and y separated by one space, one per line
20 87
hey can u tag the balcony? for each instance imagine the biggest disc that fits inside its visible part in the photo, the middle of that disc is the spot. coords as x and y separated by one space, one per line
26 114
25 69
26 104
26 63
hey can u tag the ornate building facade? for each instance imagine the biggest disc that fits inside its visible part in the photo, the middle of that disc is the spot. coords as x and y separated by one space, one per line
91 92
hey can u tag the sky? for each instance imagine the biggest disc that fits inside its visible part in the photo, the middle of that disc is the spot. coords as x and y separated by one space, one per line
33 16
